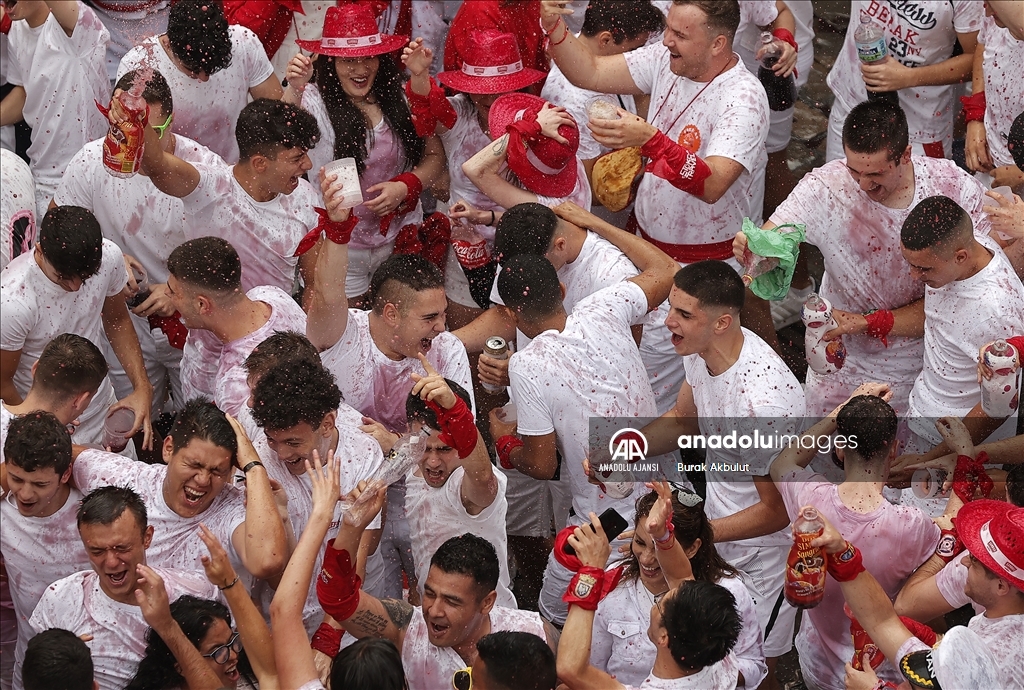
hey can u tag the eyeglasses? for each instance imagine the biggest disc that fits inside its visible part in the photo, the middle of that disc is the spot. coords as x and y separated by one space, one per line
222 653
685 495
160 129
463 679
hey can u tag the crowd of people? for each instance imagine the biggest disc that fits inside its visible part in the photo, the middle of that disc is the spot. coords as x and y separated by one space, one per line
266 425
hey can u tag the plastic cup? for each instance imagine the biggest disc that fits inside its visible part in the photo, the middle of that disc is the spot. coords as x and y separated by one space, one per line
116 427
508 414
142 286
1004 190
927 483
344 169
602 108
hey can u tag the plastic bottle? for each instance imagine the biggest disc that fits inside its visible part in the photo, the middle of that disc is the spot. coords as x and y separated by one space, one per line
870 40
404 456
805 566
781 90
862 644
123 145
823 357
754 266
999 394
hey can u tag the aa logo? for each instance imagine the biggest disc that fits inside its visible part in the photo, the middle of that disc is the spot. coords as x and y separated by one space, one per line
628 445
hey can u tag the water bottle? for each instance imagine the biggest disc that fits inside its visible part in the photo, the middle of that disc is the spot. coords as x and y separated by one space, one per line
870 40
805 566
404 455
822 357
781 90
999 394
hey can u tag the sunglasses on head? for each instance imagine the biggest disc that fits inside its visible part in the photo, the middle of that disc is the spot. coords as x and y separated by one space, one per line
685 495
160 129
222 653
463 679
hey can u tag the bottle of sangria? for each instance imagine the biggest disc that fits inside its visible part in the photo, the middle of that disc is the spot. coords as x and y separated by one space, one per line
805 567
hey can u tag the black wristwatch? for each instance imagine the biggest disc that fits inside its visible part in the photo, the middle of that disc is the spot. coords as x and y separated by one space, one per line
254 463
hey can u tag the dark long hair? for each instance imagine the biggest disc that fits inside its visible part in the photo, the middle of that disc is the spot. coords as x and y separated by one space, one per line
195 616
369 664
690 524
349 122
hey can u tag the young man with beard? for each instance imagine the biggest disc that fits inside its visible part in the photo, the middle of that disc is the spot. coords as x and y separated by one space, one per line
201 452
36 473
102 602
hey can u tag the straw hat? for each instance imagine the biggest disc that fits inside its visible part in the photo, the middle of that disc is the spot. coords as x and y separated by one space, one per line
543 165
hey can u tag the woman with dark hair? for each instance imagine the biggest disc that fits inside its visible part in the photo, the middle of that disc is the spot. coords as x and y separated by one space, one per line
369 663
354 89
621 645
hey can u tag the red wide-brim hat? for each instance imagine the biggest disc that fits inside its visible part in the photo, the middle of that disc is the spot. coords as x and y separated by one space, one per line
993 531
532 164
492 64
350 31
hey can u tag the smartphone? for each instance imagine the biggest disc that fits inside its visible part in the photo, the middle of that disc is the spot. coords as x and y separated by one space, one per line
612 523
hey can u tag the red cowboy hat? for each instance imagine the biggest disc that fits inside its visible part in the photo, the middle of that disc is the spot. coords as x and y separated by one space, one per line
350 31
543 165
993 531
492 64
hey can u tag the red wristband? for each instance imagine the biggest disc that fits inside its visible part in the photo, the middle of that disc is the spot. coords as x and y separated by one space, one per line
568 560
172 327
5 23
458 427
880 322
920 631
428 110
585 588
327 639
338 233
974 107
337 587
787 36
666 543
969 475
845 565
505 445
949 546
412 197
678 166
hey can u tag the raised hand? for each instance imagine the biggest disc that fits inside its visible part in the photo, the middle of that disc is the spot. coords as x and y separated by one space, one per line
299 72
326 484
550 118
217 565
367 500
151 596
417 57
591 545
661 511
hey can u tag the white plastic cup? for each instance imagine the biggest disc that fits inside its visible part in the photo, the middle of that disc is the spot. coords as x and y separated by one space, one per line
1005 191
344 169
602 108
116 427
927 483
509 414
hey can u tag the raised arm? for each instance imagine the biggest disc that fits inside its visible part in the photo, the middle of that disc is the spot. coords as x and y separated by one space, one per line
328 308
657 268
124 341
497 320
670 553
260 541
483 170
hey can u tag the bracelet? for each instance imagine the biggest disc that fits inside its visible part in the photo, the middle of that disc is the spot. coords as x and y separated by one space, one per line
491 224
254 463
561 40
233 583
545 31
665 543
974 107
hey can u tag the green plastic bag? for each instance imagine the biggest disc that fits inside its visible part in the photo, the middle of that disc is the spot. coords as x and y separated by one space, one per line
781 242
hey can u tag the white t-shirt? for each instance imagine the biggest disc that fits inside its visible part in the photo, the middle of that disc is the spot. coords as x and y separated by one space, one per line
918 34
377 386
437 515
36 309
38 551
951 581
207 112
958 319
753 15
757 392
621 647
720 676
18 223
731 114
894 541
461 143
264 233
62 76
864 268
213 370
175 544
1002 637
428 667
143 221
1003 65
560 91
385 158
118 630
592 368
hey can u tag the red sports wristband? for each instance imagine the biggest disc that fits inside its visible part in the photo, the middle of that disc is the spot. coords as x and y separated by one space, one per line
845 565
787 36
338 233
974 107
505 445
949 546
428 110
327 639
880 322
568 560
172 327
920 631
458 427
969 475
678 166
585 588
337 587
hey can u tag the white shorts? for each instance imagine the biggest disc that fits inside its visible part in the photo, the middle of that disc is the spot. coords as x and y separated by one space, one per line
361 265
455 284
780 129
763 570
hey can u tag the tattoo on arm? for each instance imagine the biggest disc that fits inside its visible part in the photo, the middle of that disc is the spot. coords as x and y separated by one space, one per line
499 146
400 612
369 622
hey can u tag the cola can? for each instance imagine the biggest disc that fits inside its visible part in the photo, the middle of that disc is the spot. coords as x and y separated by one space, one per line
495 348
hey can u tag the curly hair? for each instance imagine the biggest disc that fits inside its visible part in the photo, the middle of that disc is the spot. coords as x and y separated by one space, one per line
197 32
350 124
38 440
295 391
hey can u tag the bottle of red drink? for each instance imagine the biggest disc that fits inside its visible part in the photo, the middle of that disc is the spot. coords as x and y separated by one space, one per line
805 567
862 644
122 147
